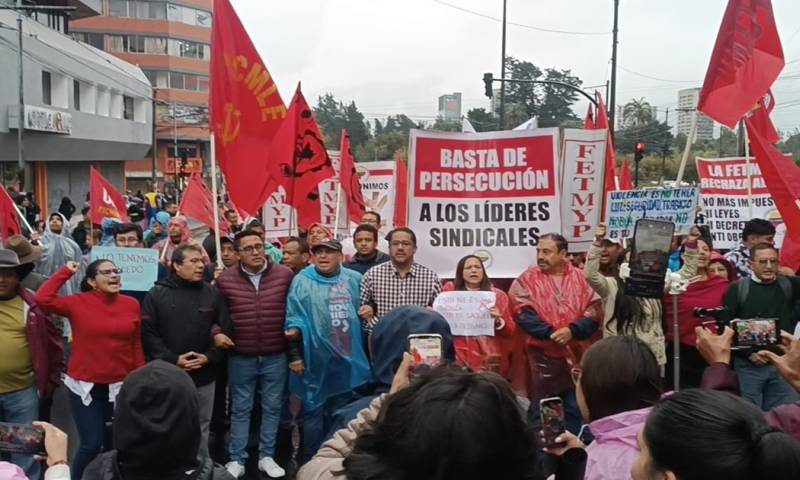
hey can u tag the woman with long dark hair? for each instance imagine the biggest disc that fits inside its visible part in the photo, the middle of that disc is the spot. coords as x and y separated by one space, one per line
106 346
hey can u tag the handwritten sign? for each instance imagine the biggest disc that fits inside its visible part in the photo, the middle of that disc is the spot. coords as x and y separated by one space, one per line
623 208
139 265
467 312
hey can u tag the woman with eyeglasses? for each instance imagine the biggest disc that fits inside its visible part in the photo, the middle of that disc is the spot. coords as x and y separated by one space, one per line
106 346
617 384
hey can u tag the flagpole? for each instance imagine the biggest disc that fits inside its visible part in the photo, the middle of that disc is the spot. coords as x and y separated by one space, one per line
338 207
24 220
687 149
749 175
217 241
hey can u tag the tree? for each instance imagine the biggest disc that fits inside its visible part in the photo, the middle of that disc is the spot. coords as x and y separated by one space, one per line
399 124
446 125
556 107
482 120
378 127
381 147
332 116
636 113
792 145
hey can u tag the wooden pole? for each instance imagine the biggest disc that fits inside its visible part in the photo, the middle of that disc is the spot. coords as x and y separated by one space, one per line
214 194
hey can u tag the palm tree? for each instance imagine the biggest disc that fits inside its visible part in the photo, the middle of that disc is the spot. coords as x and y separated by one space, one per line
637 112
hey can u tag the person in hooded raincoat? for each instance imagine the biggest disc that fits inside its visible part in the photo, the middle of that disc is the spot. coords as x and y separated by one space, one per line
58 248
157 230
322 310
178 233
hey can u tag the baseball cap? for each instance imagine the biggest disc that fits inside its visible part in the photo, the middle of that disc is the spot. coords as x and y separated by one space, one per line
331 244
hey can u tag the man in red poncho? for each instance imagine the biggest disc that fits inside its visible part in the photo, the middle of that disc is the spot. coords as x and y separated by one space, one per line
556 307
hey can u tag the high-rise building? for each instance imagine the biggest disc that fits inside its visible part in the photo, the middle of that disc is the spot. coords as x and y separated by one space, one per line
450 106
81 107
171 42
687 103
494 103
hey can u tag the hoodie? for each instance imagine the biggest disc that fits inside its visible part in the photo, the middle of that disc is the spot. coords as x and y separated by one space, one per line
614 448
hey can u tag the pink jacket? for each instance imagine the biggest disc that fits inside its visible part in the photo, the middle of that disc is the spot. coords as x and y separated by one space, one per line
614 448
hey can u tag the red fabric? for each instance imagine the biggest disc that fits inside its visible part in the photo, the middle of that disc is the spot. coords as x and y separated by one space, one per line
747 59
625 180
705 294
759 118
350 181
790 254
104 199
246 109
198 202
106 330
257 317
9 216
299 161
588 122
401 191
601 121
44 342
782 178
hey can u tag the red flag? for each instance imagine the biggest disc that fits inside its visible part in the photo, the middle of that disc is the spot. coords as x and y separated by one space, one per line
782 178
625 180
350 181
104 199
790 254
759 118
401 191
198 202
611 157
588 122
299 161
9 216
747 59
246 109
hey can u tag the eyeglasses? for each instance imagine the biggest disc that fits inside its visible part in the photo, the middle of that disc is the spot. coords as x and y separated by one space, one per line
575 373
767 261
251 249
110 272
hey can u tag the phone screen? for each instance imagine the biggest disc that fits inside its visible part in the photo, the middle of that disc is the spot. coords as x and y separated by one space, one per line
21 438
648 262
551 411
755 333
426 350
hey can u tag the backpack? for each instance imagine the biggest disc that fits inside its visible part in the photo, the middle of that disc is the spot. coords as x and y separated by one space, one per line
743 289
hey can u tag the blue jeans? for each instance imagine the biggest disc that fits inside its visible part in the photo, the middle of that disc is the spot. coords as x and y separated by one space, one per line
763 385
94 427
269 372
21 406
317 423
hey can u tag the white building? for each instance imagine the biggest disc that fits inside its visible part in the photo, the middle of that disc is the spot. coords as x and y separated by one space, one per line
82 107
687 103
450 106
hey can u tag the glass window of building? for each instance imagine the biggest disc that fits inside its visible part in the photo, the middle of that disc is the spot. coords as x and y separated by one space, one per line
118 8
76 94
127 107
47 98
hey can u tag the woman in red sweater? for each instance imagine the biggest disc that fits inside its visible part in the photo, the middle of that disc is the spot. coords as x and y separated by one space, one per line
106 346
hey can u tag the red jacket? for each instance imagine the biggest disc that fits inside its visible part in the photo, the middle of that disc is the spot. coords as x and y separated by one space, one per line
44 342
256 316
106 331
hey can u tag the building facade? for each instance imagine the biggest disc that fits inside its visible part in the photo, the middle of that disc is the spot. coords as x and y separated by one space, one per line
82 107
687 103
170 40
450 106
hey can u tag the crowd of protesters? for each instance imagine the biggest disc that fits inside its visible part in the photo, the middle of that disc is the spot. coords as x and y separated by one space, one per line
309 334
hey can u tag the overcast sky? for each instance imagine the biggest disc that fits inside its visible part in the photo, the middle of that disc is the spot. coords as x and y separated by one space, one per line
398 56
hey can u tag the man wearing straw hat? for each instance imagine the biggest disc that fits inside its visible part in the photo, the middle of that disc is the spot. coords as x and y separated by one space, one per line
28 254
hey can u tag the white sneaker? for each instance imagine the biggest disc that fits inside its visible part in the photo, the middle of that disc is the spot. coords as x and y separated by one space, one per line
272 469
235 468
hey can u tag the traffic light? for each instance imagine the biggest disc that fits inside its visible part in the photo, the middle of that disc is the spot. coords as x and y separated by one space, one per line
639 152
488 78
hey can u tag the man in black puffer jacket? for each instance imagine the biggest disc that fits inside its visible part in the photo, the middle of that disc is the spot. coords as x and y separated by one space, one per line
177 316
156 430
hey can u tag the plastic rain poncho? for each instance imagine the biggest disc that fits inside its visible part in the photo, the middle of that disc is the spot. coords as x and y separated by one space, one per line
57 250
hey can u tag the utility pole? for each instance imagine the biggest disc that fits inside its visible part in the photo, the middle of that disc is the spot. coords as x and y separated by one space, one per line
612 97
154 166
503 72
664 150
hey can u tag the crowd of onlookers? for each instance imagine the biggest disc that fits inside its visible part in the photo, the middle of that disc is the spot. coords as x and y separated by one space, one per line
259 343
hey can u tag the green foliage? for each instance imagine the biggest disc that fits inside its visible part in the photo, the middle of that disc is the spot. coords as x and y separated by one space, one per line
792 145
482 120
443 125
333 115
382 147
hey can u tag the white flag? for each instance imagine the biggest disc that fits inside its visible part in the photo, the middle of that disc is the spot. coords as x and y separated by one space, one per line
530 124
466 126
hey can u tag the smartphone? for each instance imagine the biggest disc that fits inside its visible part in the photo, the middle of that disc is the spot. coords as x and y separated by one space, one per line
652 240
755 333
22 439
551 411
426 348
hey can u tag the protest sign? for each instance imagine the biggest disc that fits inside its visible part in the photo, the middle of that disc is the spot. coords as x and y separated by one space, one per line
623 208
582 185
467 312
724 199
490 194
139 265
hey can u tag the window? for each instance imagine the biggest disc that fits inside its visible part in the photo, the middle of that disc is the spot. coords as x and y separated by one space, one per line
127 107
95 40
203 18
202 84
155 45
135 44
173 13
47 98
175 80
188 15
76 94
118 8
116 43
158 11
190 82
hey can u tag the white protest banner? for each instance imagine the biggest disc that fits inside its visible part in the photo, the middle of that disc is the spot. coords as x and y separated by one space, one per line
723 198
490 194
582 185
467 312
139 265
378 189
623 208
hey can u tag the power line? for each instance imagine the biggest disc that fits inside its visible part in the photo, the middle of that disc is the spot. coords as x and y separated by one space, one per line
521 25
657 78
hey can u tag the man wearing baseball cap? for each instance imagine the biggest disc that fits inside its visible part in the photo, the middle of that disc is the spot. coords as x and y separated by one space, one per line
322 311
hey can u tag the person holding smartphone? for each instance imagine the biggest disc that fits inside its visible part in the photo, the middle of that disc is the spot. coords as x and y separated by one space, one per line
106 346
